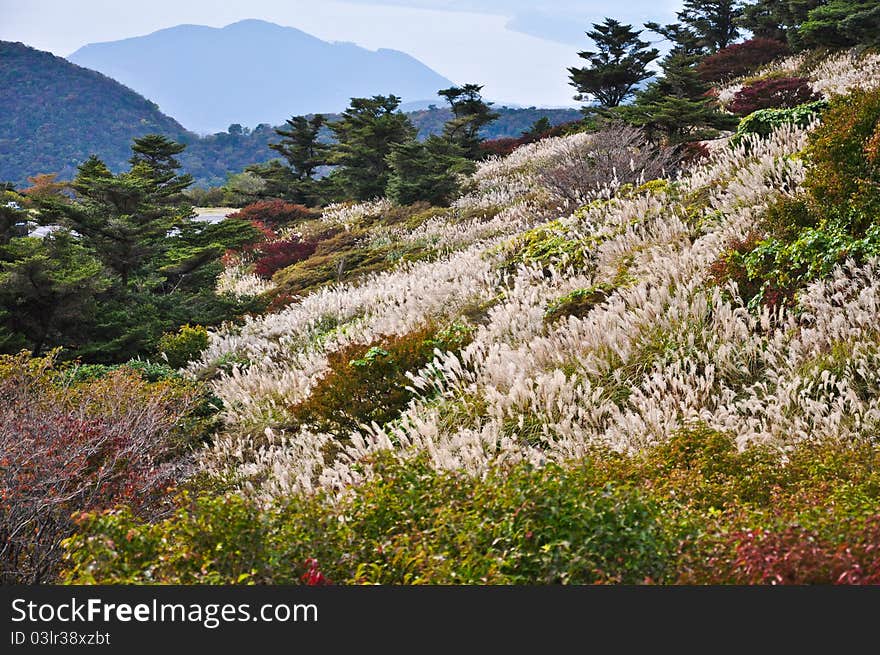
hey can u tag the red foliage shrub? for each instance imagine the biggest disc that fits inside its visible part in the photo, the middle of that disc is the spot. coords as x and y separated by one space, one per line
67 448
693 152
272 256
776 93
313 576
275 213
506 145
501 147
799 556
740 59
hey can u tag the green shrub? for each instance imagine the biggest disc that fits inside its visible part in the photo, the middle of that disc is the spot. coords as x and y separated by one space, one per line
181 347
764 121
548 245
367 383
802 239
679 511
579 302
409 525
844 174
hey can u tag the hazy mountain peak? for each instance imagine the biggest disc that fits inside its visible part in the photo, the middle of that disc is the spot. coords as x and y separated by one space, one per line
254 71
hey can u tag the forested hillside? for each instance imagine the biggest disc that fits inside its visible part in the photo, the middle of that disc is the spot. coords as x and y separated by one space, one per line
54 114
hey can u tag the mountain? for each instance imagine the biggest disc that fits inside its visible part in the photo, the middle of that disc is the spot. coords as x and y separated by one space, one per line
54 114
254 72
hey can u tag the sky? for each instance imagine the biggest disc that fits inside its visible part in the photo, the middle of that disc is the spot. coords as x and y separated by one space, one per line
518 49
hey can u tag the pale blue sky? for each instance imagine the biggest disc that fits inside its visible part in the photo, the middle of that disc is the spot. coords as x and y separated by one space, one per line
518 49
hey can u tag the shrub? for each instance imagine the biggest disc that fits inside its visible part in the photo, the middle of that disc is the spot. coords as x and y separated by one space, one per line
579 302
765 121
276 213
777 93
500 147
367 382
805 238
272 256
844 178
795 555
741 59
410 524
80 447
548 245
693 509
181 347
616 155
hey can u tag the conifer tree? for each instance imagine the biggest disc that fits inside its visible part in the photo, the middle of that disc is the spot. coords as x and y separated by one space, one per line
715 22
470 114
426 171
676 108
365 135
618 65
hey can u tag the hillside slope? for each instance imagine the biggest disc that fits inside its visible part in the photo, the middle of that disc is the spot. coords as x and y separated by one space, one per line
55 114
674 380
645 345
254 72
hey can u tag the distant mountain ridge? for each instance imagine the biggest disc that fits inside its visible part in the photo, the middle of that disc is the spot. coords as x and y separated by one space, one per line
253 72
54 114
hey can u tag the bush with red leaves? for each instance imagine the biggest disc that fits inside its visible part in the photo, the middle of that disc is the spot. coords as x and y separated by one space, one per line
275 213
67 448
740 59
506 145
778 93
272 256
501 147
798 556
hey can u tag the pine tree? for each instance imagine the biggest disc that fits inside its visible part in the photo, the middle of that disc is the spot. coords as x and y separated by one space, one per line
48 288
123 218
154 154
426 171
618 65
365 135
470 114
301 145
715 22
12 215
676 107
842 24
776 20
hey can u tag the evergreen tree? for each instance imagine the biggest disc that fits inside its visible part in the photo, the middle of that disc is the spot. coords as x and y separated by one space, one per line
842 24
777 20
426 171
157 266
48 288
365 135
153 155
301 146
123 218
715 22
676 107
538 129
470 113
620 62
12 215
304 152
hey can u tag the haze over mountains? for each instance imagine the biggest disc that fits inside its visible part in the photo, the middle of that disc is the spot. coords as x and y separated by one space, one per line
254 72
54 114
